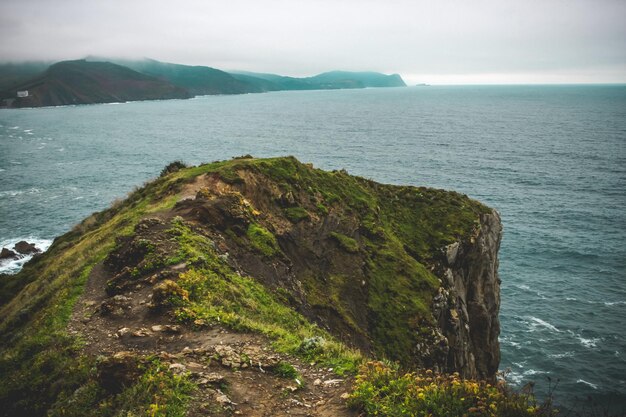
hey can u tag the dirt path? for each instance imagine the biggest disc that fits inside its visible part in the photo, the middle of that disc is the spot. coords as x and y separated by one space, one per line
232 370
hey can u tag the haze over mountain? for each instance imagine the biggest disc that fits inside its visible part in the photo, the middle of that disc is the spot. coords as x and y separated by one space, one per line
83 82
443 42
96 80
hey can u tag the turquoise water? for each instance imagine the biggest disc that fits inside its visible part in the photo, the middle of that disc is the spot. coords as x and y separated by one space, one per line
551 159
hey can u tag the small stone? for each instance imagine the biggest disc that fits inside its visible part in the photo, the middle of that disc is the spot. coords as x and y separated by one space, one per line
332 382
171 328
121 332
157 328
317 382
211 378
177 368
223 399
90 303
344 396
141 332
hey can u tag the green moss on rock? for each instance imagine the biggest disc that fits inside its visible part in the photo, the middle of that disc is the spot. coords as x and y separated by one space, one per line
262 240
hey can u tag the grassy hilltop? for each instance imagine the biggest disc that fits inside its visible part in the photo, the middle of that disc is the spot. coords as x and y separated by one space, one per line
244 286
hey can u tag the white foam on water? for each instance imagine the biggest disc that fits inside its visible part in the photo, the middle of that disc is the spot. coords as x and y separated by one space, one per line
530 372
588 343
13 266
13 193
614 303
561 355
589 384
537 322
571 299
514 378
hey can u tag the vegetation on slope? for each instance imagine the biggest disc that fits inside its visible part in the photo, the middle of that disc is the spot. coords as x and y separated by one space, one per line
84 82
382 390
317 225
198 80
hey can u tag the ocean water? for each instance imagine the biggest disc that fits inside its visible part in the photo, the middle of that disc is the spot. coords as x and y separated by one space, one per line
550 159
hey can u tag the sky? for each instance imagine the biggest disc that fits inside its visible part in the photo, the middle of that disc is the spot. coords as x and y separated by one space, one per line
435 41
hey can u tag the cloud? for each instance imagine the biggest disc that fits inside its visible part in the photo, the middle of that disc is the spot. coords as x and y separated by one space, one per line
449 38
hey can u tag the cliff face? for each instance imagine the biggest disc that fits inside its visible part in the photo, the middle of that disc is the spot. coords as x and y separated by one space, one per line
468 302
245 261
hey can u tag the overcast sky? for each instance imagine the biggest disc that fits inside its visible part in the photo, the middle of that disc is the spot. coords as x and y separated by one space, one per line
436 41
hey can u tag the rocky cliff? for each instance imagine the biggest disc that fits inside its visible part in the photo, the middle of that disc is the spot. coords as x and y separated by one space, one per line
269 266
468 302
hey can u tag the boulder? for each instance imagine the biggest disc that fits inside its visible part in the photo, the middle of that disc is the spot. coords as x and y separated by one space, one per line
26 248
7 254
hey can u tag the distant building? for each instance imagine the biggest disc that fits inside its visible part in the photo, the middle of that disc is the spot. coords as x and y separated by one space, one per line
22 93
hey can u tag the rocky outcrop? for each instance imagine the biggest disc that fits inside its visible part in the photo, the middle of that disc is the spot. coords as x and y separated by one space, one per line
26 248
468 302
7 254
238 258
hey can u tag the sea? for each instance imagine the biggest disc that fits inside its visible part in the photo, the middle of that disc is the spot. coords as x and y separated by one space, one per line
550 159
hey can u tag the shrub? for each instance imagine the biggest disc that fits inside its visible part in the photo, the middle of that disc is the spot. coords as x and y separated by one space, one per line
168 293
173 167
262 240
347 243
296 214
381 390
286 370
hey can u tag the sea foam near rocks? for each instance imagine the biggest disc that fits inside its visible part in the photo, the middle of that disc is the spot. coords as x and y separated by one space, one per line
14 265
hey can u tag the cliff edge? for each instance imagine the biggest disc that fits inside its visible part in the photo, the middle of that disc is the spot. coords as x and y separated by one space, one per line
249 286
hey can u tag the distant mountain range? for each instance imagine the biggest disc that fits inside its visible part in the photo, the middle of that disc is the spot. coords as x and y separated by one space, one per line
100 80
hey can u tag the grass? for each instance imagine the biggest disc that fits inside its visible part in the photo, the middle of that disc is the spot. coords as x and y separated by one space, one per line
286 370
157 393
382 390
217 294
297 214
345 242
402 229
262 240
39 361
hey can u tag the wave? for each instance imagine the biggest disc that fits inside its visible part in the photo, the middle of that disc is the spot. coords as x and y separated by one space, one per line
561 355
614 303
13 193
13 266
589 343
589 384
537 322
